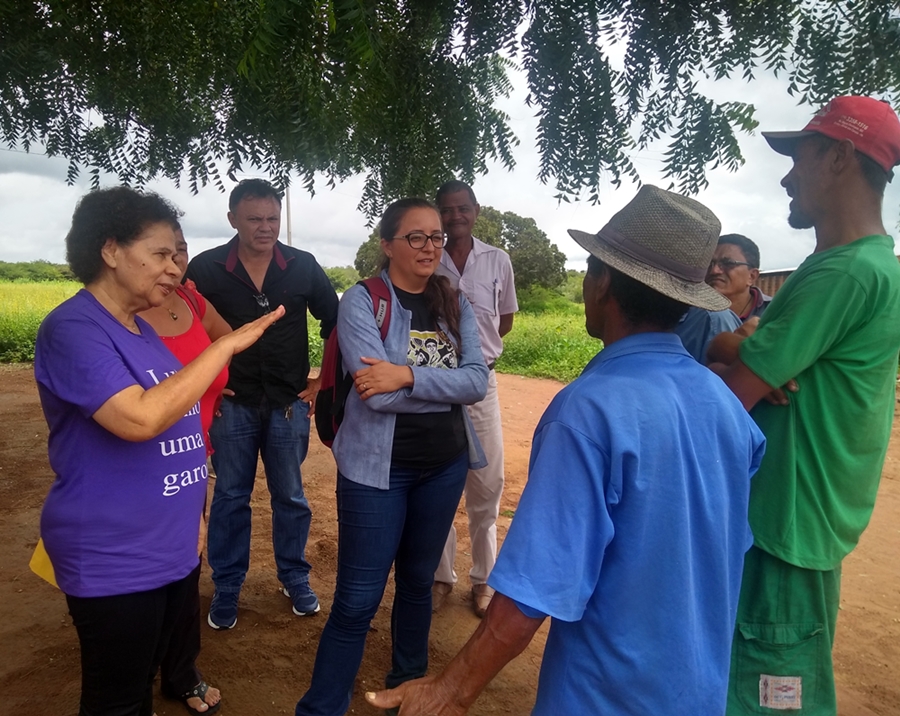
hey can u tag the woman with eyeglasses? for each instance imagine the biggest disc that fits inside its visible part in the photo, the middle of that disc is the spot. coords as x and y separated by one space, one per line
402 451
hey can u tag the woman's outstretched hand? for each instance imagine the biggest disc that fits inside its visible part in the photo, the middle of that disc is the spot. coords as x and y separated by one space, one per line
381 377
249 333
137 414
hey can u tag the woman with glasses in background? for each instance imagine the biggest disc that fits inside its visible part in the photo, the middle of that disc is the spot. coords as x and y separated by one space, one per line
402 452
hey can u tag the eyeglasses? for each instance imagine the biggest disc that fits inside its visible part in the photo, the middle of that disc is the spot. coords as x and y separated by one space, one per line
418 239
727 264
263 302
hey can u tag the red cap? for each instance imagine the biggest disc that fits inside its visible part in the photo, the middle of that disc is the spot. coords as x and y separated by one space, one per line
871 125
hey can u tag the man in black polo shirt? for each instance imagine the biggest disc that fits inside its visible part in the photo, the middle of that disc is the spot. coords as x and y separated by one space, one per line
268 413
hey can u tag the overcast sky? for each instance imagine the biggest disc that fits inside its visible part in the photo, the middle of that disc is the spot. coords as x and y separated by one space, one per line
36 204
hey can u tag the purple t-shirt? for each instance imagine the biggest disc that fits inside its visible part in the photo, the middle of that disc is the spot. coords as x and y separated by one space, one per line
121 516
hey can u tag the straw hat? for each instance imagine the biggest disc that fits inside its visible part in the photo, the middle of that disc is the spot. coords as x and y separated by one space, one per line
663 240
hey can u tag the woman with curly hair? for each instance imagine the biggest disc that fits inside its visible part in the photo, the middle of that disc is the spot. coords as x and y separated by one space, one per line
121 520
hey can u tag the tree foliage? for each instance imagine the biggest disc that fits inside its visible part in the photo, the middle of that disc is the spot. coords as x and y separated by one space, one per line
342 277
369 255
34 271
536 262
407 92
571 288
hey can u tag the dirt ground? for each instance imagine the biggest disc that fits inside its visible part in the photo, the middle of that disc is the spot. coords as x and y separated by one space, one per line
264 664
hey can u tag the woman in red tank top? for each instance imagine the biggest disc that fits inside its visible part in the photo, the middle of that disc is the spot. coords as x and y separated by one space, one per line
187 324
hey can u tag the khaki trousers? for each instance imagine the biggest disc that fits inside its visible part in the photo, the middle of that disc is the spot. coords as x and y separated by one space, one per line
483 490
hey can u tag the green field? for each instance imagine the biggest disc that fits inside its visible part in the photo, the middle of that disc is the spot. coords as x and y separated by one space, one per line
22 308
549 344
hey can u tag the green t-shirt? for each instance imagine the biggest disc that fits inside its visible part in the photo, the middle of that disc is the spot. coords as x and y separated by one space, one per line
835 327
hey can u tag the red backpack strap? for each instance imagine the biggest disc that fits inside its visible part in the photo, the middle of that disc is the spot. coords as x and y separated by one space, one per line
381 302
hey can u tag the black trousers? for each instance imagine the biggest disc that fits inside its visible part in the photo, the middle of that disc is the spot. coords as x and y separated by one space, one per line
123 639
178 670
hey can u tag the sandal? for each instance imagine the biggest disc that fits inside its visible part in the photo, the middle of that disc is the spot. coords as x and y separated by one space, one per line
199 691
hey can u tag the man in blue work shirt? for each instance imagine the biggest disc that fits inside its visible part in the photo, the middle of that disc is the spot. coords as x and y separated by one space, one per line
632 529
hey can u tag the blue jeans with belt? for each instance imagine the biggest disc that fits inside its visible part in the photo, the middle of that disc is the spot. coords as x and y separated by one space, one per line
406 525
239 435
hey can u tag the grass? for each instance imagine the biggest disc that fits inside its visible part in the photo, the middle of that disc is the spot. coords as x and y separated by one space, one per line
548 345
316 344
548 340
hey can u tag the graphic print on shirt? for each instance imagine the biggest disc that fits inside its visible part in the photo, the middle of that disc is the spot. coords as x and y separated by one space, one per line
430 349
173 482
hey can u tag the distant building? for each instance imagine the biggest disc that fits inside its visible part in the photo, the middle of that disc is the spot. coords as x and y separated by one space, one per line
770 281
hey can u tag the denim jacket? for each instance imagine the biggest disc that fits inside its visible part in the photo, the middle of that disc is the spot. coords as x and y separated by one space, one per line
362 446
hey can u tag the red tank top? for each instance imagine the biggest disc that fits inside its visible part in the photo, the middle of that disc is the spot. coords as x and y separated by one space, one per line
192 343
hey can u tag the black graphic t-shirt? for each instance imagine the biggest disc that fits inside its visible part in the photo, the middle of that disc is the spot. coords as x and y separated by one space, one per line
427 440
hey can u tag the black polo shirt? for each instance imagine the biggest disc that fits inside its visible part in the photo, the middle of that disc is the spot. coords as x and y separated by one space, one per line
277 365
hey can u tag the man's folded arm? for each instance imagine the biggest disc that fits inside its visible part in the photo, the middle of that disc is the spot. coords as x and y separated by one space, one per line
744 383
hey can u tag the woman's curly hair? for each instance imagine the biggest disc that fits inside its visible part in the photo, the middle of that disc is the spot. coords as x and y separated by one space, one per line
120 214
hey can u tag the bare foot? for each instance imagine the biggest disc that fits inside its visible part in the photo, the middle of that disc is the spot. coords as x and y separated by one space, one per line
213 696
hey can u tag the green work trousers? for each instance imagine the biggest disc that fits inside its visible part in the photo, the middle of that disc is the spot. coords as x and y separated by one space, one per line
781 654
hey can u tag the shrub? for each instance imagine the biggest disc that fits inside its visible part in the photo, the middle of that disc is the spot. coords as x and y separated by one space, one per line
549 345
537 301
32 271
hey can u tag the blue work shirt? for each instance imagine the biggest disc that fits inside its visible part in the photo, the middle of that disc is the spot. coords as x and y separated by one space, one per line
631 533
698 327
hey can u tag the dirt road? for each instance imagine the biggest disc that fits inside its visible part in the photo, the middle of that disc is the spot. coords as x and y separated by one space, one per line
264 665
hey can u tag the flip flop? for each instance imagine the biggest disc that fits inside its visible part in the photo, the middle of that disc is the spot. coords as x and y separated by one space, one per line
199 691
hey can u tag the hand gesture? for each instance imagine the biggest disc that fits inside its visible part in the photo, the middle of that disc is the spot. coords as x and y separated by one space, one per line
748 327
249 333
421 697
308 394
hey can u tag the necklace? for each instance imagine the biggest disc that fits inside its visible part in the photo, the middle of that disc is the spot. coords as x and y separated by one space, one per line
172 314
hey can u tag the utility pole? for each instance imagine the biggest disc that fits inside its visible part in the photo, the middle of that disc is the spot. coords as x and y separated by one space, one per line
287 199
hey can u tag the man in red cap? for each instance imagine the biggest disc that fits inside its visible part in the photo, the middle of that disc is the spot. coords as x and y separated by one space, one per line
834 327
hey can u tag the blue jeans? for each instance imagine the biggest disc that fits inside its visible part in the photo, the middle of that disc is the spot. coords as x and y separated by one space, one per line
407 525
238 436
